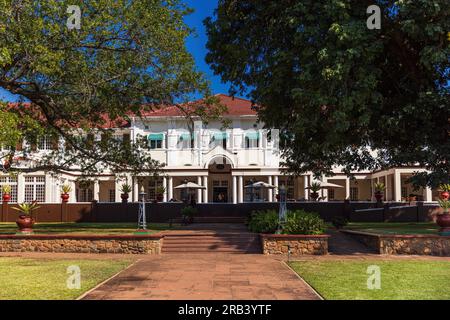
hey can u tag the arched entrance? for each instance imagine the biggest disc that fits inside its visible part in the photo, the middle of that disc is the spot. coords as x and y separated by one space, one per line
220 180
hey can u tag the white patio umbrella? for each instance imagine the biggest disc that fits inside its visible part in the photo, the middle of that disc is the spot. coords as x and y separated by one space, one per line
260 184
328 185
189 185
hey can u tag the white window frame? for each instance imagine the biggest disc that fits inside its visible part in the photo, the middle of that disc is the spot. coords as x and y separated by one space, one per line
12 182
44 143
35 185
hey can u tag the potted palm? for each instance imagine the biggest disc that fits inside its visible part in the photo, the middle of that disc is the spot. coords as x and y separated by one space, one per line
25 221
188 214
160 194
6 191
315 188
379 190
445 191
65 190
443 218
125 189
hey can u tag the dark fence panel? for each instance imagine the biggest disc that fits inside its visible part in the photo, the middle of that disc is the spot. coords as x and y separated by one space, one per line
164 212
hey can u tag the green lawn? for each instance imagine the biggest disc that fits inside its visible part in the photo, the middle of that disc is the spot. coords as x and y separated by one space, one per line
395 227
85 228
400 280
43 279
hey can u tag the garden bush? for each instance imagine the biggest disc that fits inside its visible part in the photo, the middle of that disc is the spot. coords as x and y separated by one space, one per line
298 222
263 221
189 212
339 222
302 222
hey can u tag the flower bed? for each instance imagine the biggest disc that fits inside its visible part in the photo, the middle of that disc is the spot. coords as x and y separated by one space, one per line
134 244
422 244
296 244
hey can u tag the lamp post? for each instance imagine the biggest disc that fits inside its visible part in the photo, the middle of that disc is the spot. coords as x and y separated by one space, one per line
142 221
251 190
186 197
282 210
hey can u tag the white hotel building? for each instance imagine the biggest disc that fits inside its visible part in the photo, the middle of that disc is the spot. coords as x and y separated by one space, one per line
221 160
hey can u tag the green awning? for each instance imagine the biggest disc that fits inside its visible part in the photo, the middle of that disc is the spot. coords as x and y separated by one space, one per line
186 136
252 135
156 136
220 136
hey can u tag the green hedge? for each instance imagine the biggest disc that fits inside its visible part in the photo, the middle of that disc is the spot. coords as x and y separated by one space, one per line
298 222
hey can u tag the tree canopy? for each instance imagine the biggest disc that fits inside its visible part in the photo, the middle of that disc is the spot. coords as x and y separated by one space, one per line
338 90
127 57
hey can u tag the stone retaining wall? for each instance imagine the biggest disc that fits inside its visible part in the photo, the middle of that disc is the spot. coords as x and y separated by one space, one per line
433 245
134 244
297 244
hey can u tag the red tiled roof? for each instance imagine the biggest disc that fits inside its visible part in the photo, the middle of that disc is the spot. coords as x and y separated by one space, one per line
235 106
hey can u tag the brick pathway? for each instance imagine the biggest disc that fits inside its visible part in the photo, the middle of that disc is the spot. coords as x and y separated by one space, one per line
209 277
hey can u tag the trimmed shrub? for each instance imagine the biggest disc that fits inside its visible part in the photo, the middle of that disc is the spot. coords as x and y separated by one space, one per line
302 222
298 222
189 212
339 222
263 221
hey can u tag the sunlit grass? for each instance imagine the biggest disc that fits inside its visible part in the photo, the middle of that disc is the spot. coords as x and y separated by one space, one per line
46 279
395 227
85 228
400 280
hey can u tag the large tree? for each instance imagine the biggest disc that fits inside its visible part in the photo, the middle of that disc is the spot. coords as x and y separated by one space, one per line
338 89
126 57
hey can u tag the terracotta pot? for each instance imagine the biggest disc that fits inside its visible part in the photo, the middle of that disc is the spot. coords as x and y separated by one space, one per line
445 195
65 197
124 197
443 221
314 196
6 197
25 223
159 197
379 196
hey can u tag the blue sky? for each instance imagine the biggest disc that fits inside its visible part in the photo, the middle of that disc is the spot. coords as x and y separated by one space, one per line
195 44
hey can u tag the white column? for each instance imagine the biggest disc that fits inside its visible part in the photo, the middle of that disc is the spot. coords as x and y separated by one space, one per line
118 186
96 190
270 191
235 189
170 188
20 188
305 187
199 191
275 183
135 190
48 188
205 191
325 191
241 189
386 184
428 194
347 188
165 188
397 186
73 192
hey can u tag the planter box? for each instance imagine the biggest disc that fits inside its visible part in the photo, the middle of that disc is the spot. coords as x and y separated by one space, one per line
297 244
134 244
420 244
